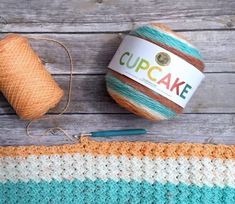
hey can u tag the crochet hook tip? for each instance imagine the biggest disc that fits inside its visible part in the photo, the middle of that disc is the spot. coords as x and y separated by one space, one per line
81 135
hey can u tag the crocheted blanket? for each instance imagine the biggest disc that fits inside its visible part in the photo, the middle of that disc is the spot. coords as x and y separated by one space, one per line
118 172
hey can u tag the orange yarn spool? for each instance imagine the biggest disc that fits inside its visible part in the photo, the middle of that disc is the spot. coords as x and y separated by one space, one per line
24 81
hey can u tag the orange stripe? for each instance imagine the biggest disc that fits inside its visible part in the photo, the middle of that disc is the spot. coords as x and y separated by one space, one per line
138 149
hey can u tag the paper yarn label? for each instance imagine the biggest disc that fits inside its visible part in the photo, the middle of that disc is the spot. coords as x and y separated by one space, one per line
156 68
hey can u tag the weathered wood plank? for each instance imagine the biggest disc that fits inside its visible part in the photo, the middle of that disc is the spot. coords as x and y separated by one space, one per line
112 15
92 52
215 95
199 128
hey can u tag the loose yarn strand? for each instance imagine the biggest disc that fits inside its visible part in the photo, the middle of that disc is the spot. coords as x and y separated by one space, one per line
68 95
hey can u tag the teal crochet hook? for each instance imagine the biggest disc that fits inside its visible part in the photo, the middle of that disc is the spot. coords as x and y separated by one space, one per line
111 133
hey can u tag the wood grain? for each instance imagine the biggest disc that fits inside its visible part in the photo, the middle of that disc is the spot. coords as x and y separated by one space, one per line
112 15
92 52
92 30
197 128
215 95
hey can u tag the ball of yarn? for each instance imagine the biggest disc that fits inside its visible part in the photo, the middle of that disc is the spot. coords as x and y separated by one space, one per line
136 97
24 81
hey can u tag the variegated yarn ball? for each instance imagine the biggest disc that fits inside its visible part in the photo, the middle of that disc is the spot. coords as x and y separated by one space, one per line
138 98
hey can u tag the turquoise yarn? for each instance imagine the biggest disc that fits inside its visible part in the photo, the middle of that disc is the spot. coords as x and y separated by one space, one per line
137 97
112 192
158 36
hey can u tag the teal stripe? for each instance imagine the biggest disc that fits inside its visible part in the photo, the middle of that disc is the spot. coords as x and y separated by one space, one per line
111 192
157 36
137 97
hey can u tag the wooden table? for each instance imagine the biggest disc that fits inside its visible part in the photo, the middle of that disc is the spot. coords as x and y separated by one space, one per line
92 31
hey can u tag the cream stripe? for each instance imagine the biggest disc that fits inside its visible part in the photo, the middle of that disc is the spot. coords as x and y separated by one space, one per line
193 170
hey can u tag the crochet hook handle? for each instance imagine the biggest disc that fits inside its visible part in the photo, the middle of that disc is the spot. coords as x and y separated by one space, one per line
124 132
110 133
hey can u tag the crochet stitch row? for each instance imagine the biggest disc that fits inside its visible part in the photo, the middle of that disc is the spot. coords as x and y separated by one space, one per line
118 172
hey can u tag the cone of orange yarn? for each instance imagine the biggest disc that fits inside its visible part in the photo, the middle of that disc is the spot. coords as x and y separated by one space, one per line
140 99
24 81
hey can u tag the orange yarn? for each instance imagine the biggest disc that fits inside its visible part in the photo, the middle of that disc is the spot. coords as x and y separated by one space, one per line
129 149
24 81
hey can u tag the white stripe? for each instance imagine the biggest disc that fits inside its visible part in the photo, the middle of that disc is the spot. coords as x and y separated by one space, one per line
196 171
